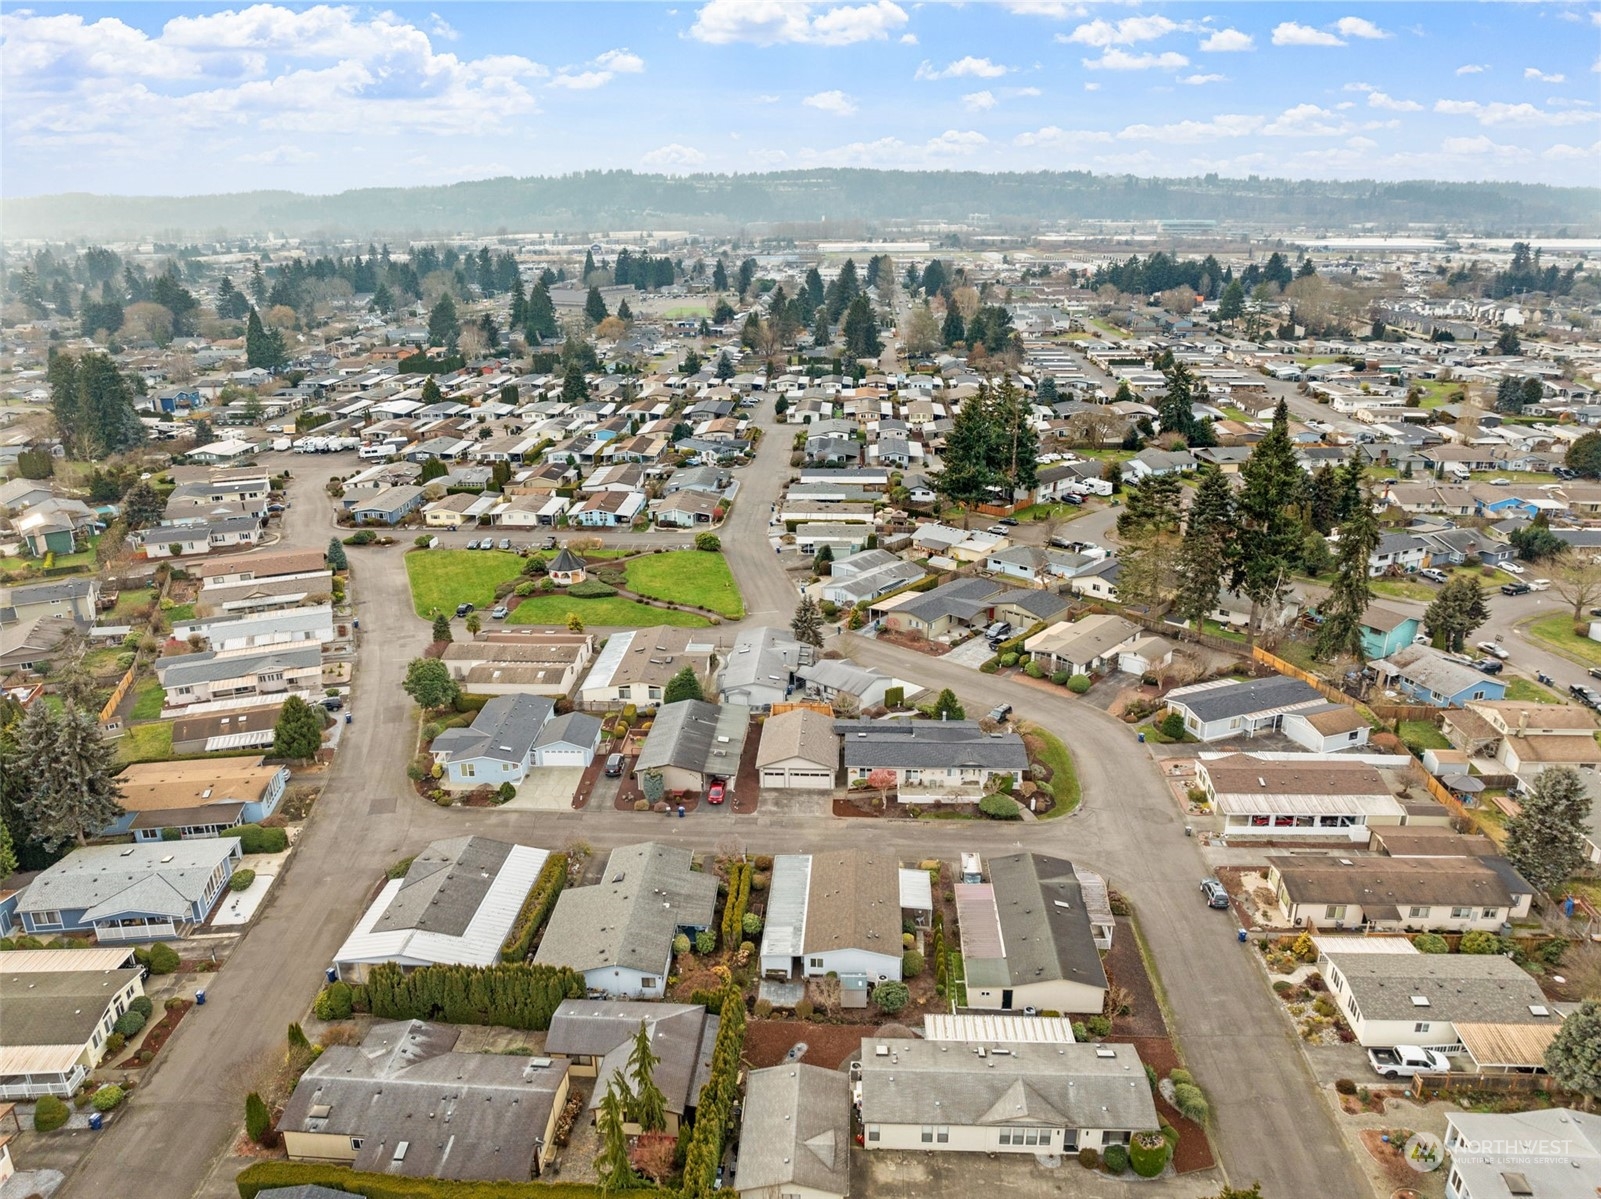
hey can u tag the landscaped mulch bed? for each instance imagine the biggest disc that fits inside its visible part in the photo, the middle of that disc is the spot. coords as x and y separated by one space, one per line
1194 1151
1389 1156
844 806
827 1045
158 1033
1125 968
922 645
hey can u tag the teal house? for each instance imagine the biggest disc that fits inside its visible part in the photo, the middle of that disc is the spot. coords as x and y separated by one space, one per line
1384 631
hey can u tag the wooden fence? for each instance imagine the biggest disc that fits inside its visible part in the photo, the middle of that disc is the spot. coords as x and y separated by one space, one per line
120 691
1428 1086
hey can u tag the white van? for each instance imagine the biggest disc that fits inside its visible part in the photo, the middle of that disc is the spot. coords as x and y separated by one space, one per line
371 452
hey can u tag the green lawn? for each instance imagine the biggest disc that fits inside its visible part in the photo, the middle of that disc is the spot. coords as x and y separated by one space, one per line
441 579
1064 780
1404 589
1437 393
179 613
611 612
688 577
1556 630
146 743
1043 512
1108 327
1524 691
148 698
687 311
129 602
1423 734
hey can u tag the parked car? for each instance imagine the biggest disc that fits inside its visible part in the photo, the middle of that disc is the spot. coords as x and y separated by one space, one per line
333 703
499 612
998 530
1494 650
716 792
1216 896
614 766
1000 712
1008 521
550 542
1433 576
463 609
472 545
505 543
1595 672
1512 568
1487 666
1076 500
1515 589
1406 1060
1539 584
1587 696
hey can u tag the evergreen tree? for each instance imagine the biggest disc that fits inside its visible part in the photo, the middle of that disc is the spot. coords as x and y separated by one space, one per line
595 306
444 326
947 707
613 1167
1231 306
8 851
1574 1055
860 331
264 347
442 627
1046 393
68 789
1545 840
1268 542
335 555
1351 592
1150 530
724 369
298 733
517 317
624 312
432 468
92 404
539 323
815 291
1014 442
141 506
683 685
648 1106
807 623
1456 612
691 364
574 390
719 276
1176 411
1203 554
1323 499
823 562
747 274
428 682
966 477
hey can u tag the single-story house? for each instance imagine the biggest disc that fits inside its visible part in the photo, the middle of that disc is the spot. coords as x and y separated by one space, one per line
1504 1156
32 644
607 509
235 728
1326 728
512 735
57 1019
371 1106
130 892
197 798
387 507
531 661
1324 798
1454 895
1034 1098
596 1037
1384 630
1227 708
635 665
798 748
834 913
74 598
759 671
1090 645
1027 940
203 678
458 510
691 742
828 679
1426 674
796 1133
261 629
455 905
932 761
619 932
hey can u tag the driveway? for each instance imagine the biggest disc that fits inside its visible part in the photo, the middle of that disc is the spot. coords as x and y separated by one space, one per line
547 789
972 653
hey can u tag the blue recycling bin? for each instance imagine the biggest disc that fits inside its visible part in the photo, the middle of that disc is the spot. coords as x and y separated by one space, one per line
1240 933
96 1121
331 973
200 998
680 811
356 623
1142 738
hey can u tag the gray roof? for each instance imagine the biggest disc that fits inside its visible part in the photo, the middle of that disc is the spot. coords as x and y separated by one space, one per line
1246 698
1048 1085
648 892
1045 925
682 1036
961 598
573 728
797 1130
1486 988
760 664
213 667
444 886
460 1115
1042 605
58 1007
167 878
566 562
505 730
1426 667
305 1190
696 736
929 744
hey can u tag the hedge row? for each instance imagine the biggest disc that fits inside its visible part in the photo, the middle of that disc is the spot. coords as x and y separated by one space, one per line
514 994
536 909
705 1149
266 1176
739 875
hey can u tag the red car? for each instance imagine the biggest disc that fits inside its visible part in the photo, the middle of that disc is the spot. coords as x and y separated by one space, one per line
714 793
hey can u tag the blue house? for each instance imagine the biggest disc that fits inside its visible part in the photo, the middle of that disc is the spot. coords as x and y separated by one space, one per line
131 892
1429 676
198 798
1384 631
511 736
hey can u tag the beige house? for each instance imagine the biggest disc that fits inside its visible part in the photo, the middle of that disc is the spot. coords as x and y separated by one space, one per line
796 1134
799 748
57 1017
536 662
1327 799
1408 894
636 664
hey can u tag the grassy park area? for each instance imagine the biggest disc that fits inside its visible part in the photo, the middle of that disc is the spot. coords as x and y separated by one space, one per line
688 577
1556 630
608 611
441 579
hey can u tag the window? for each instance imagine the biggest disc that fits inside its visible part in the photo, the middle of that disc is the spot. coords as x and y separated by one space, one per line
1491 913
872 1132
47 919
942 1134
928 1134
1334 911
356 1143
647 981
814 963
468 770
1417 912
1421 1026
1461 913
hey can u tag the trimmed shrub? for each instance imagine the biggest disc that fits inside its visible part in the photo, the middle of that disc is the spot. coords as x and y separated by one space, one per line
142 1005
115 1044
1148 1153
1099 1026
911 964
1191 1103
258 1120
751 924
163 959
591 589
705 942
999 807
129 1023
891 996
1479 941
1116 1159
1061 678
1034 670
50 1113
536 908
255 839
680 945
803 1009
1345 1086
241 880
1181 1078
1079 684
333 1002
108 1097
1089 1158
1150 1075
1008 660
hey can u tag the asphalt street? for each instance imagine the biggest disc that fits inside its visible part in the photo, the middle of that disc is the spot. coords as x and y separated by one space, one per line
1268 1123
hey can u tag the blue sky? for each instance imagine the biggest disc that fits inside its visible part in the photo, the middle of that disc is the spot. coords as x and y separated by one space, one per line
180 99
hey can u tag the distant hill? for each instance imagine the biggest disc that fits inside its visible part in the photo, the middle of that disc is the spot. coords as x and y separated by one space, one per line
597 200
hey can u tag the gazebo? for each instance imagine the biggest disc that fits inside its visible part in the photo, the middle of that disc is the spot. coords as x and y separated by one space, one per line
567 568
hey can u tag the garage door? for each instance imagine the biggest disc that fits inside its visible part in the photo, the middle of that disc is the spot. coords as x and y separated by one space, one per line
816 779
775 778
562 757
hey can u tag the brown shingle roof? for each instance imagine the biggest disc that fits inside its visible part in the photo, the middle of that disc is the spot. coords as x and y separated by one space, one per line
854 902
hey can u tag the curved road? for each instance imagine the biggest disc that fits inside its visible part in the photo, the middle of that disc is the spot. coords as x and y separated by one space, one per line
1268 1122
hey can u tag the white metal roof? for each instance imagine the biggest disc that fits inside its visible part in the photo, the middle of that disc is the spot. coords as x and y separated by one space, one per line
1037 1030
1271 804
1335 943
917 890
57 961
785 931
38 1059
478 946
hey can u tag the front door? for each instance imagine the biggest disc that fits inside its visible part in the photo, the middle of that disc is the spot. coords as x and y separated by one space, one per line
1069 1140
1006 999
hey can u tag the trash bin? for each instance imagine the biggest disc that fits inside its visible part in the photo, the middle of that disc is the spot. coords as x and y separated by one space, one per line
680 811
200 998
348 716
331 974
1240 934
1189 831
357 622
96 1121
1142 738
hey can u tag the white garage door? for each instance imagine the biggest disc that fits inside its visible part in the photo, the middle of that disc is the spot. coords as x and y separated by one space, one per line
562 757
775 778
815 779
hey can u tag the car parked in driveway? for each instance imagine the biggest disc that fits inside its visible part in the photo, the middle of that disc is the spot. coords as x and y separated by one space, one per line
717 792
1515 589
1491 648
1433 576
1216 896
499 612
1487 666
463 609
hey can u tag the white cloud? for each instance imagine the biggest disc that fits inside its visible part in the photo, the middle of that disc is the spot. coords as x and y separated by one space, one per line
1500 113
1537 73
1044 8
278 154
908 39
581 81
1186 132
772 22
1306 120
1122 60
1358 27
1289 33
1361 143
1479 147
1027 91
1092 87
963 68
673 155
836 102
1562 152
979 101
1380 100
955 142
1051 135
1101 33
1202 80
1226 41
621 62
1473 68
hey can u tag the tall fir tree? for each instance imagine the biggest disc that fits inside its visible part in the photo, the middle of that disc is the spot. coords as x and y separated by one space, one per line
1268 543
1352 590
648 1106
1545 840
68 772
1203 554
807 624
